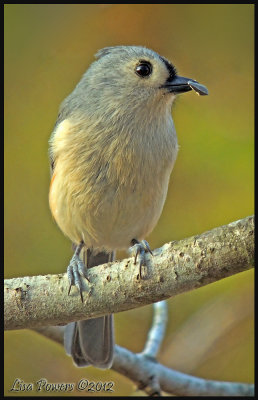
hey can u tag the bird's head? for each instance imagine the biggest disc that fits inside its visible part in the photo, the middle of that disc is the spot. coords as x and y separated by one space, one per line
132 81
139 71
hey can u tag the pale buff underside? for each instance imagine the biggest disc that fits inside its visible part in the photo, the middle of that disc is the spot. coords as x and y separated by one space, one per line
102 198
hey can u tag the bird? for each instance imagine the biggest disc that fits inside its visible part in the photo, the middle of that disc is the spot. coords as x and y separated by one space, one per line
111 152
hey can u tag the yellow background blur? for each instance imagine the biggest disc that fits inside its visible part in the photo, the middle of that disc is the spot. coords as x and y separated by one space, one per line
47 48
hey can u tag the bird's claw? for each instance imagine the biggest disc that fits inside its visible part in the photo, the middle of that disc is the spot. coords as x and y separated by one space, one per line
75 270
139 249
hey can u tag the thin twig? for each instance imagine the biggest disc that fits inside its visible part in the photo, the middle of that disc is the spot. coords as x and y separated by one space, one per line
141 370
157 331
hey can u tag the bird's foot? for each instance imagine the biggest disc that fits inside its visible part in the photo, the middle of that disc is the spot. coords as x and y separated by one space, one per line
76 270
139 249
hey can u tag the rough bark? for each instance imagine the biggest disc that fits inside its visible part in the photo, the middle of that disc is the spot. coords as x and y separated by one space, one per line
176 267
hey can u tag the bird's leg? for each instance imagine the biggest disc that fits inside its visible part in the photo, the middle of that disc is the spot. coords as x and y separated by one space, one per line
76 269
139 249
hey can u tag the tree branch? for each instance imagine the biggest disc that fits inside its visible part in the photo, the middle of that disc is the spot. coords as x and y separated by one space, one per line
176 267
157 332
151 376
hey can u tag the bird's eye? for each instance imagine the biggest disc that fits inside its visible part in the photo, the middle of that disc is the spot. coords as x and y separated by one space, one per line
143 69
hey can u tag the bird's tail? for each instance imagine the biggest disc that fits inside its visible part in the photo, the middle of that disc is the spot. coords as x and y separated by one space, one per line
91 342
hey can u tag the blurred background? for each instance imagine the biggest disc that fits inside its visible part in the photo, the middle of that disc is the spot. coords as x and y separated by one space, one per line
47 49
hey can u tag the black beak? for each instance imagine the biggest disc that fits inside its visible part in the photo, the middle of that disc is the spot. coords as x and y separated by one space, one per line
179 84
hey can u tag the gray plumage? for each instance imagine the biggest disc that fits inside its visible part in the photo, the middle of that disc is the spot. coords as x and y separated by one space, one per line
112 152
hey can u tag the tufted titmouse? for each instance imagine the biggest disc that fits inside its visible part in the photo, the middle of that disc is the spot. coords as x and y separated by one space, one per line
112 151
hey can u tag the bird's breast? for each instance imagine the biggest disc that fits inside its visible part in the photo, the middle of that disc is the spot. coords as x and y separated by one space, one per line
108 193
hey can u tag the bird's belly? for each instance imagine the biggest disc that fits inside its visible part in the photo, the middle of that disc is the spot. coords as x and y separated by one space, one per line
123 214
108 217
